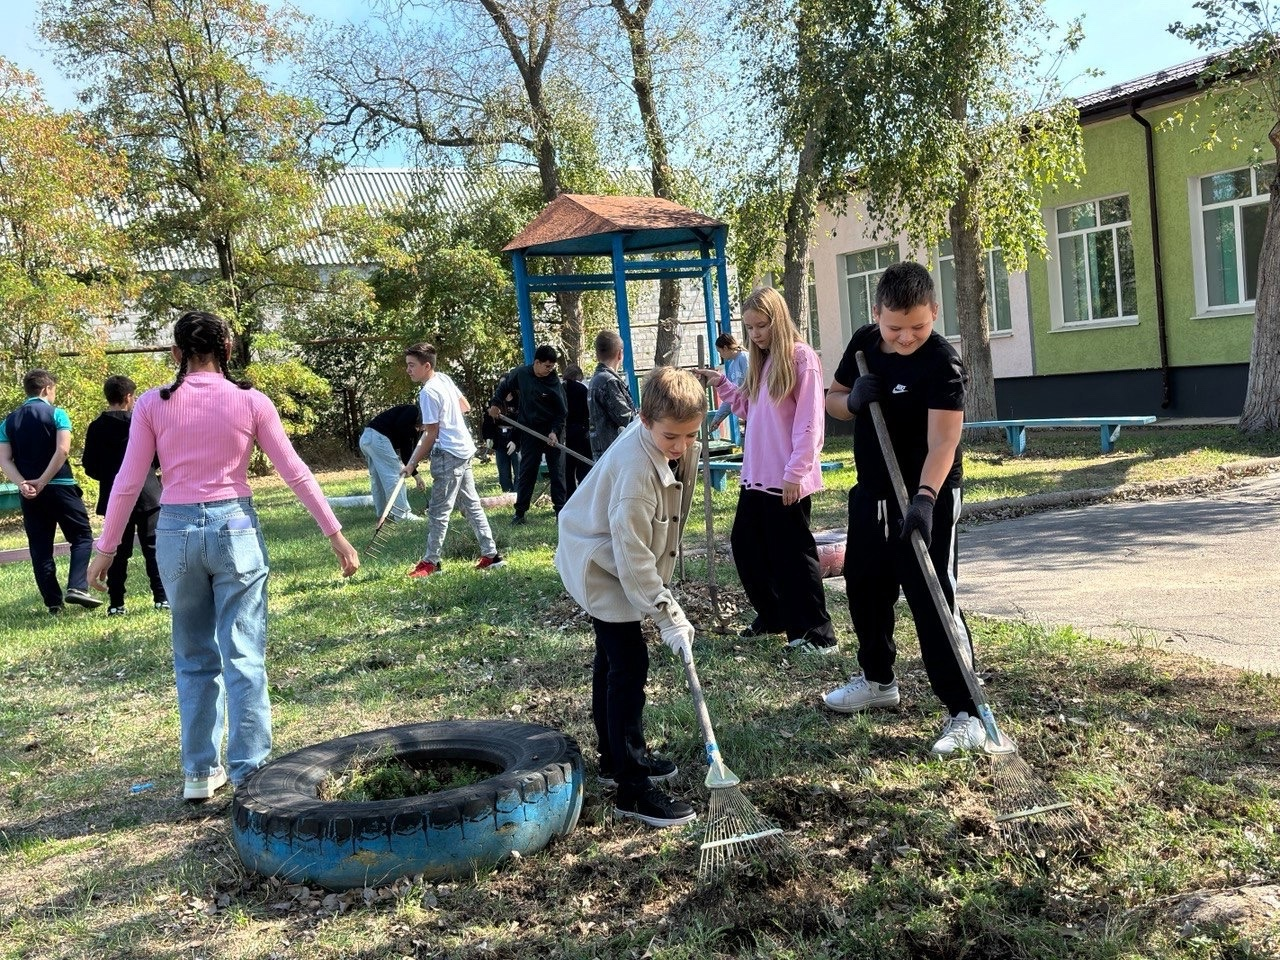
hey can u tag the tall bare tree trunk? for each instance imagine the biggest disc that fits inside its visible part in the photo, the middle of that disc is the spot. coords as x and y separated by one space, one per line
667 346
802 211
971 291
971 309
1262 396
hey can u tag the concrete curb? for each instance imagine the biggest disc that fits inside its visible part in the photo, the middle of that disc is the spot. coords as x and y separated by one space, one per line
1227 475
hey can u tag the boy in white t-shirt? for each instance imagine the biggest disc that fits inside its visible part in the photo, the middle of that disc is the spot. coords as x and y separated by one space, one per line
447 441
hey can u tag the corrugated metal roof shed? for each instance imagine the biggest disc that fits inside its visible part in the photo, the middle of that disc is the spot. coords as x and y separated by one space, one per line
583 224
380 191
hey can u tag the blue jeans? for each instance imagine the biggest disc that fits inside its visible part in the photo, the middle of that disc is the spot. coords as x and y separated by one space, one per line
214 565
384 473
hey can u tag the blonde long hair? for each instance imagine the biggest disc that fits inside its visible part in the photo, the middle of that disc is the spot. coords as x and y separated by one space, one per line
782 373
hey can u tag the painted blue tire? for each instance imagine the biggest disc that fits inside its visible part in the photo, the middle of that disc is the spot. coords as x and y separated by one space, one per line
280 828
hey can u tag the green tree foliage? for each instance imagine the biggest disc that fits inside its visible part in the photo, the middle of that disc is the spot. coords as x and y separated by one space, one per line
476 81
63 268
224 184
456 290
944 118
954 122
1242 99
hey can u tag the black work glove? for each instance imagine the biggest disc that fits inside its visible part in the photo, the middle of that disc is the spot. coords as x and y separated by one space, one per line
919 517
866 388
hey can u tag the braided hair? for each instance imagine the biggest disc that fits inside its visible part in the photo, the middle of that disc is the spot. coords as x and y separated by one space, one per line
201 334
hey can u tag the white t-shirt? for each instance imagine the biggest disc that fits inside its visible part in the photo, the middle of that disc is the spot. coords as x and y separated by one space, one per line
441 402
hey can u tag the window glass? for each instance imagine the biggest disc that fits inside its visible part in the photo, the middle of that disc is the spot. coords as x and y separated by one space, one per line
1079 217
1114 210
1075 280
947 280
999 314
1225 186
1265 175
862 262
1128 278
1102 275
1221 275
859 305
1253 223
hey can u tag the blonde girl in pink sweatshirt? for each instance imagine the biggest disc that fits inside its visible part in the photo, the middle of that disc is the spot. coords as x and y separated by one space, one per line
773 548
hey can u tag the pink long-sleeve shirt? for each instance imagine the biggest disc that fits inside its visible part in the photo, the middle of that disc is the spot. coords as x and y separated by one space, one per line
204 434
784 440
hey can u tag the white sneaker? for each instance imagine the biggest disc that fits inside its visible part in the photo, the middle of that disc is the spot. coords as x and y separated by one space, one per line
861 694
961 732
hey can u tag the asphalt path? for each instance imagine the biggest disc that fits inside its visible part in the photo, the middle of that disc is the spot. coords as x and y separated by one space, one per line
1197 574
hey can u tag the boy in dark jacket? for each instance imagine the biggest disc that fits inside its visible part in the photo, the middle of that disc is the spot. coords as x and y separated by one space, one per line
104 445
541 405
35 441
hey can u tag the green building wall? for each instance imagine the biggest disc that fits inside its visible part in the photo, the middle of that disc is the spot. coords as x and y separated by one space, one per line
1115 161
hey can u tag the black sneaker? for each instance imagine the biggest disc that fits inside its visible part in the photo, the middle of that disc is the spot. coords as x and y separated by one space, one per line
655 768
518 520
83 598
654 808
116 611
55 611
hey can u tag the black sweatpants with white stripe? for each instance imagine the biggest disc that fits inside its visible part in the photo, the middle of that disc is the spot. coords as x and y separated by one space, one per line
877 562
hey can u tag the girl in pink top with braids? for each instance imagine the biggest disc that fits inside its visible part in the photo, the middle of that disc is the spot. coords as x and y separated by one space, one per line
773 549
210 550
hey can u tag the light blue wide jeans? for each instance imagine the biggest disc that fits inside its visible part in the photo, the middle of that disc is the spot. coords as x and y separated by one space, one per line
214 565
384 473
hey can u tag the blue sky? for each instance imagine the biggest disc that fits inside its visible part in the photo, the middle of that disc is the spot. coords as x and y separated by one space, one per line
1123 38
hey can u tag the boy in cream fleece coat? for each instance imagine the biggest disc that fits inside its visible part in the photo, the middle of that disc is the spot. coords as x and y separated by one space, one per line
617 550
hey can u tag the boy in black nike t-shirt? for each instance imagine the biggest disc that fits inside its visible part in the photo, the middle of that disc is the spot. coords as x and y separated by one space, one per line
919 381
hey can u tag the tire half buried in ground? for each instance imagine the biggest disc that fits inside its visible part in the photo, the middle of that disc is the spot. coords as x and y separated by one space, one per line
281 828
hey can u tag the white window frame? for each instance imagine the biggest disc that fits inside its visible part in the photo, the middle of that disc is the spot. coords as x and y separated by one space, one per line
1057 313
811 287
1199 270
846 308
992 329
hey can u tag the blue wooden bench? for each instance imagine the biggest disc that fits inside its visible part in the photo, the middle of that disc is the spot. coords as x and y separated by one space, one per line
719 469
1016 430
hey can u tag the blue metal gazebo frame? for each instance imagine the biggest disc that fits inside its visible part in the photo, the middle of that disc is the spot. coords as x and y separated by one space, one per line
579 225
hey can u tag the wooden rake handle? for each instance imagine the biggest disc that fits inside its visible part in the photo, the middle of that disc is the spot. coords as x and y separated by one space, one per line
395 491
926 564
545 439
713 591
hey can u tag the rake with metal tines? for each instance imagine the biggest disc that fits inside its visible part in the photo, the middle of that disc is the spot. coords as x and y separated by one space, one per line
382 531
735 828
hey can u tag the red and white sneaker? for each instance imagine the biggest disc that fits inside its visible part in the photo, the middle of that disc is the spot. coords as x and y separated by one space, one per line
425 568
488 563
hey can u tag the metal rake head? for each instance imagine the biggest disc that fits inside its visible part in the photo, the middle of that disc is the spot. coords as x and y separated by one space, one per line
1029 808
381 536
736 829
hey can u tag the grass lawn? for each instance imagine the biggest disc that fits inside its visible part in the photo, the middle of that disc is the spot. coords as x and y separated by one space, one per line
1174 763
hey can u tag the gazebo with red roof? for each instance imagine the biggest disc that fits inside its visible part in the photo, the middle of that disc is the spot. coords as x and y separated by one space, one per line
625 229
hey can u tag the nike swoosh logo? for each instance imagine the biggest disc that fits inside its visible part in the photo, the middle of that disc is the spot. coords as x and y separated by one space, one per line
900 388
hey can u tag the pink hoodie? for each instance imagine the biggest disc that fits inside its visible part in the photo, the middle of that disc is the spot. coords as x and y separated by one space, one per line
784 440
204 434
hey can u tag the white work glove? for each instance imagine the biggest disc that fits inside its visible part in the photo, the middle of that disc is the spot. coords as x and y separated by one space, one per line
511 448
679 634
488 444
